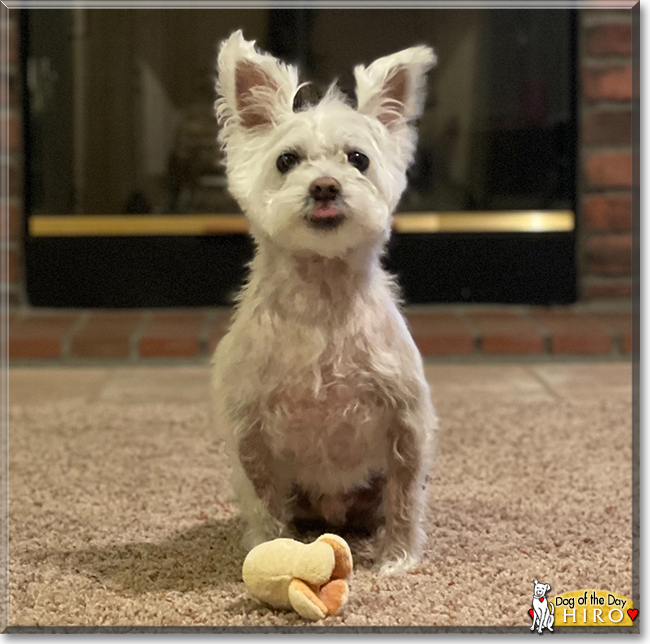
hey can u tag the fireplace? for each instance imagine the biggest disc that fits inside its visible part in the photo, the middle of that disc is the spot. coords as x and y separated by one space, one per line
126 201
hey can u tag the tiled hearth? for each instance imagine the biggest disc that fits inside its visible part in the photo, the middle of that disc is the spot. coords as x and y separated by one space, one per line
440 332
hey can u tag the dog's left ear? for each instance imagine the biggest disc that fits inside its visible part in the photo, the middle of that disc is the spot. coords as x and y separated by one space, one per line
392 89
548 588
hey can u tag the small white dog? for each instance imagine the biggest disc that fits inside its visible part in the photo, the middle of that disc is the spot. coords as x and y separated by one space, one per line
320 389
543 611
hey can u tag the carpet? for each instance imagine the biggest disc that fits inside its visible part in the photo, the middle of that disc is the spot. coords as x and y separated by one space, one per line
123 515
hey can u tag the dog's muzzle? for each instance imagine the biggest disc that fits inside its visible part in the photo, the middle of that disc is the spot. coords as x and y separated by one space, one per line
323 219
325 215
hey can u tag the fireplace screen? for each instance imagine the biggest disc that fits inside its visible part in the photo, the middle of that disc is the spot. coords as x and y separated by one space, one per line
127 200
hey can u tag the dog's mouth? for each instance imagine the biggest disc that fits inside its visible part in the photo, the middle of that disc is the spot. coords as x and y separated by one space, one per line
325 216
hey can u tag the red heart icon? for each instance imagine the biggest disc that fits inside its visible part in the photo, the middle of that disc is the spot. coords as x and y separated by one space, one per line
530 612
632 612
541 599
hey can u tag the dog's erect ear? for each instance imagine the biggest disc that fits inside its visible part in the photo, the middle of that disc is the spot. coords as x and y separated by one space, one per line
535 582
392 88
254 88
548 588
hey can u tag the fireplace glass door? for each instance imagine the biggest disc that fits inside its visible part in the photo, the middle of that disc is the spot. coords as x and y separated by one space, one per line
126 198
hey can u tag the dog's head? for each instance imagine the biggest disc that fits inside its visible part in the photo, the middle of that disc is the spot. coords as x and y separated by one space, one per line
540 589
325 177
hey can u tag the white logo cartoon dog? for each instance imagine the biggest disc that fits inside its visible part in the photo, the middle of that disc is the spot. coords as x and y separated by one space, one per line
543 610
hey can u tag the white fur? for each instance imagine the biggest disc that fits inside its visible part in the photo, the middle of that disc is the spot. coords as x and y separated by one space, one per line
318 360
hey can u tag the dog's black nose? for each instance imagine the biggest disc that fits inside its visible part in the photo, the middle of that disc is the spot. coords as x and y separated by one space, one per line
325 189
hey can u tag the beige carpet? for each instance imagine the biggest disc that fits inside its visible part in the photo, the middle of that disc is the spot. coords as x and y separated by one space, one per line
121 511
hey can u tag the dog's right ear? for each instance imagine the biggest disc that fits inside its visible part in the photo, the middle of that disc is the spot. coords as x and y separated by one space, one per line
254 88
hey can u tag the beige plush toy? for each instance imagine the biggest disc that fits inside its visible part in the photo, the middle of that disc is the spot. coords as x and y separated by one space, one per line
310 578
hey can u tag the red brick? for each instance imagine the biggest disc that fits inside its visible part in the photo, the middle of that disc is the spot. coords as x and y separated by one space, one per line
15 177
620 326
607 127
609 255
608 212
440 334
13 266
600 16
574 333
39 336
15 296
219 328
606 288
105 335
609 169
12 32
14 222
10 90
507 333
608 83
610 40
172 335
626 344
11 127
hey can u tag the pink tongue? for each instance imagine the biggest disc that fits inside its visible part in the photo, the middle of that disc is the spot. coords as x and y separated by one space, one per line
325 211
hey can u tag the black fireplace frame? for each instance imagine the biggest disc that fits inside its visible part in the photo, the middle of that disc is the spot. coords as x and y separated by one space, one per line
206 270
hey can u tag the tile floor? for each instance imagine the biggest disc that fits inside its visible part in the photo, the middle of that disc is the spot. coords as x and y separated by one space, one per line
190 383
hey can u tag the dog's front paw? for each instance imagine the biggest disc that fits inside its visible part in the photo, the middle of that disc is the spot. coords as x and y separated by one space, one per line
269 530
252 539
396 564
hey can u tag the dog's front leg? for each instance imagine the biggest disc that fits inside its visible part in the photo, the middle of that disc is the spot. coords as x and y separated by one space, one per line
407 466
261 489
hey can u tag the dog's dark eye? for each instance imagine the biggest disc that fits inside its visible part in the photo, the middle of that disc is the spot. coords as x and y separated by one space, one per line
287 161
359 160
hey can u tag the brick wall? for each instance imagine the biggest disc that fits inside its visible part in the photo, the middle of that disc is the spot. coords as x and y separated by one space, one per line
11 166
605 210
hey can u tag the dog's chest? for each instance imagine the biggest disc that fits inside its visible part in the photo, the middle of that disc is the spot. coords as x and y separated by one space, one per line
331 419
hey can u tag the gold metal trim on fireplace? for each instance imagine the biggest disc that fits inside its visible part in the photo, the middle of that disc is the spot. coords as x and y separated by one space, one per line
520 221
